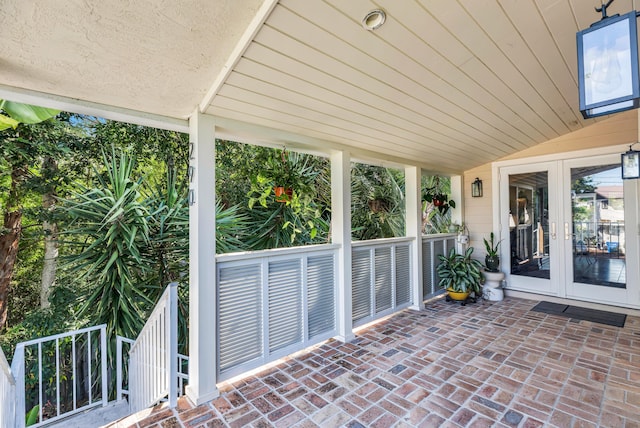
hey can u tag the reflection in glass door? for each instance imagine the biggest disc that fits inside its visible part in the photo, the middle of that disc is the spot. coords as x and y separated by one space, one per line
598 234
529 231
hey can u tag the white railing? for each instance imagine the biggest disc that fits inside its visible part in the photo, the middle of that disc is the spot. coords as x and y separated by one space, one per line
433 246
122 361
62 374
122 373
381 278
7 394
273 303
153 357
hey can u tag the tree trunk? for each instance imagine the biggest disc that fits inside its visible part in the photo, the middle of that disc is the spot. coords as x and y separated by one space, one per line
9 240
50 229
50 262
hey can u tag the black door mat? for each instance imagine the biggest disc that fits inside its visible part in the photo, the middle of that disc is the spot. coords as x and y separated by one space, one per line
582 314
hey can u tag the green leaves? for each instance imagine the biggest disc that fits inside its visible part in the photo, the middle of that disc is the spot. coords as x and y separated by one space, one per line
17 113
111 220
459 272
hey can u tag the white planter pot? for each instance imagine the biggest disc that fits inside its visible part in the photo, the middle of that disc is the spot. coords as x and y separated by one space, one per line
492 289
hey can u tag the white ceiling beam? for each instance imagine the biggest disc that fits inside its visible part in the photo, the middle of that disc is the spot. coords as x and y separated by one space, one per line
93 109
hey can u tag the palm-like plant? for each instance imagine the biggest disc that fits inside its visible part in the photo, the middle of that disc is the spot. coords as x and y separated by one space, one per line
111 222
373 183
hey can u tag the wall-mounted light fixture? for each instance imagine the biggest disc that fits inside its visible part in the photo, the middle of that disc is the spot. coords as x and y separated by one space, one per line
608 64
476 188
630 163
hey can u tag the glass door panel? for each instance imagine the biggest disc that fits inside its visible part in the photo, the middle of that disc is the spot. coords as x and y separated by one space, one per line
598 226
528 219
529 231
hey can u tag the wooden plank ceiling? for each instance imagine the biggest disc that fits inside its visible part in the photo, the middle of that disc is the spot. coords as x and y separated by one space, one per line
446 85
452 84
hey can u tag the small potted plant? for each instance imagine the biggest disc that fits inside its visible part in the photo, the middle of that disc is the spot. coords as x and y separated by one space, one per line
492 259
460 275
492 289
439 200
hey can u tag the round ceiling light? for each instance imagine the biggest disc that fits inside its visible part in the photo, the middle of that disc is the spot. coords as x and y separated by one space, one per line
374 19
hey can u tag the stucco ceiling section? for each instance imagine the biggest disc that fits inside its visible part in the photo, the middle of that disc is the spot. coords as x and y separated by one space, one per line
448 85
153 56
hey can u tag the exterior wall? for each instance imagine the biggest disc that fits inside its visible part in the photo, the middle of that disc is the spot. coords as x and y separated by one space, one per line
478 212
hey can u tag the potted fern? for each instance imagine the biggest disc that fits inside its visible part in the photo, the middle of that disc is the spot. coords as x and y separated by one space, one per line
459 274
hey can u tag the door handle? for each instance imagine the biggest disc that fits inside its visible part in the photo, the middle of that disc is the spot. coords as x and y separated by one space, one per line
566 231
553 230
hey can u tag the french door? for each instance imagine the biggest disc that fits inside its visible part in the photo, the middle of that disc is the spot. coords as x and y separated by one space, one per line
568 228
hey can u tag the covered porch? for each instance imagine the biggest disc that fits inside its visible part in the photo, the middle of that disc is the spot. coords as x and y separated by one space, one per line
488 364
451 88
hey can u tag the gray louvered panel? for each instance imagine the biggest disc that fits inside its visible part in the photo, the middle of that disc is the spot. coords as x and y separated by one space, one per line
428 269
321 294
451 243
361 284
403 274
240 314
439 249
383 283
285 303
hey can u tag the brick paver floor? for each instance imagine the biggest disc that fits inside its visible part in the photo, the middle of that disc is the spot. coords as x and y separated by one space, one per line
481 365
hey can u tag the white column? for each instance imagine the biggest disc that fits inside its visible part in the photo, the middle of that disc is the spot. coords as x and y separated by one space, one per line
341 234
202 267
413 207
457 214
457 194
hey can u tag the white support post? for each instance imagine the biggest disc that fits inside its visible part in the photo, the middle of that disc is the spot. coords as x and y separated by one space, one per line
457 214
172 348
413 201
202 267
18 371
457 195
341 234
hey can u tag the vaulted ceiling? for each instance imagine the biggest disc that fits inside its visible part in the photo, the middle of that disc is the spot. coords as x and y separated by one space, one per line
447 85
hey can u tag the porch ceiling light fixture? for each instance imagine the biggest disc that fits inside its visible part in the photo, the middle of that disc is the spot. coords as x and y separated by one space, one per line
374 19
631 163
608 64
476 188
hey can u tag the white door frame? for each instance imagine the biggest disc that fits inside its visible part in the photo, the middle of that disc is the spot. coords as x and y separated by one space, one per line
629 297
549 286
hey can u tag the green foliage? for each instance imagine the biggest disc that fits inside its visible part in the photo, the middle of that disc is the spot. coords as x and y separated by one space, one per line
377 202
298 219
491 247
110 261
459 272
436 219
584 185
32 416
12 114
232 229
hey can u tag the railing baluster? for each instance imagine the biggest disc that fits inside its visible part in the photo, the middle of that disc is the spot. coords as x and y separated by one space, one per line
74 373
103 355
89 367
40 379
118 368
57 377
